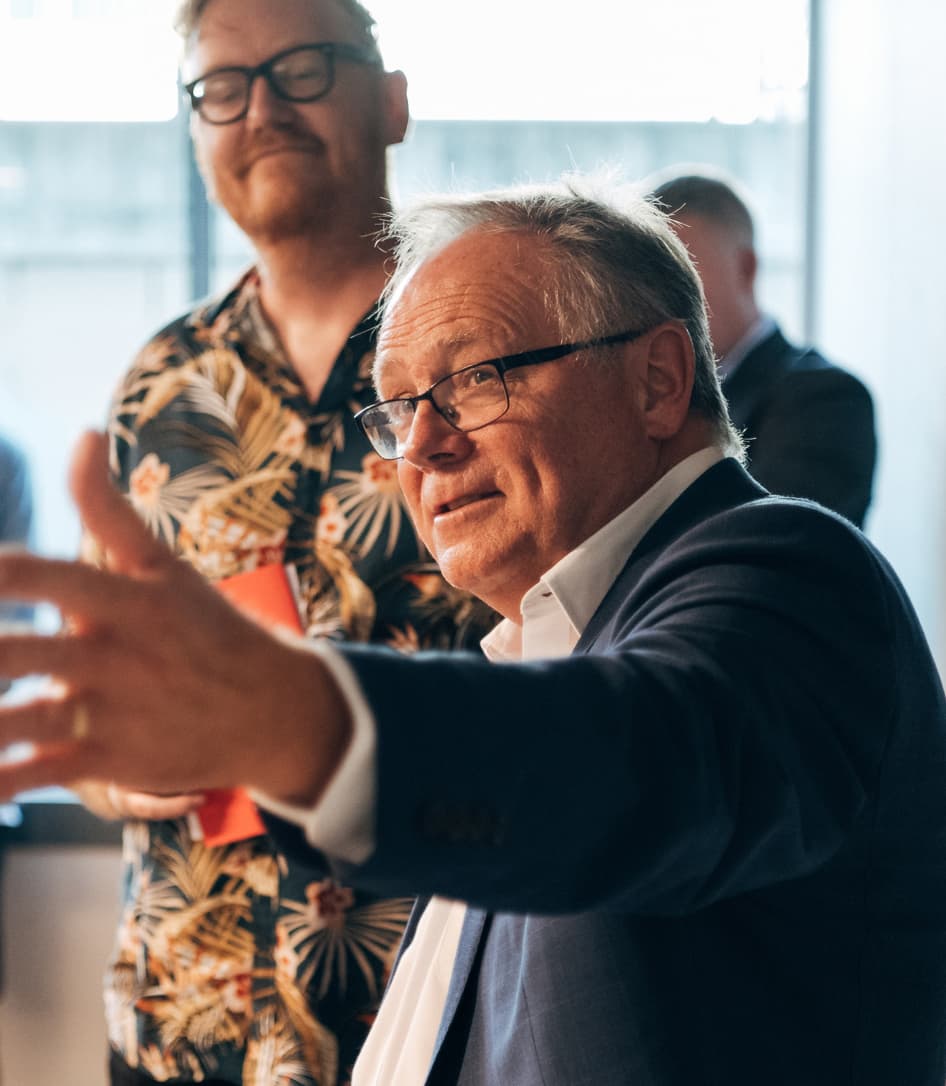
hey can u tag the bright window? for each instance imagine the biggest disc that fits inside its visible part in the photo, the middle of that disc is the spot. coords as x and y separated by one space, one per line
101 229
735 61
87 60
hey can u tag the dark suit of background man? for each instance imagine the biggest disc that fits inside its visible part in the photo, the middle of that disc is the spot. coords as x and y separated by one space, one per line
692 830
808 424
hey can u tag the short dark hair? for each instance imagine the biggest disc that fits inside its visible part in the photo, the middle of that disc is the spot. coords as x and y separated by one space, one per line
189 13
708 196
621 266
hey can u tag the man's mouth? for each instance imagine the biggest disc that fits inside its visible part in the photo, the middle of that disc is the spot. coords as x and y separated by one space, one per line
265 148
465 499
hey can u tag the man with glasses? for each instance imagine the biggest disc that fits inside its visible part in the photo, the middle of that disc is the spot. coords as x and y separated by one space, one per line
692 827
233 435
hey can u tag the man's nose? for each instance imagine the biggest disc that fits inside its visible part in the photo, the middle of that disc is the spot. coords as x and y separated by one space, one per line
431 439
264 102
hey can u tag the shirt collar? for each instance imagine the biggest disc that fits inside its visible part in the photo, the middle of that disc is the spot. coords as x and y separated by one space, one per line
237 319
572 590
761 328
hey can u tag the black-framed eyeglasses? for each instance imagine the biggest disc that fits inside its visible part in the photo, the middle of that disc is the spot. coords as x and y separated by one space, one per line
468 399
304 73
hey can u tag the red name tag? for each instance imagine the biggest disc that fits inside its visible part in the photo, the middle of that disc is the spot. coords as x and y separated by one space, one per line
269 596
227 815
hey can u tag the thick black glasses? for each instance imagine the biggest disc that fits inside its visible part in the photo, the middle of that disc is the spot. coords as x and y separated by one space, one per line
468 400
303 73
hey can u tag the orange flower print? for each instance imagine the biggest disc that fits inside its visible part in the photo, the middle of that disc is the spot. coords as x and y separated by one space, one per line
219 545
236 992
380 474
292 438
259 872
285 957
146 481
332 523
328 903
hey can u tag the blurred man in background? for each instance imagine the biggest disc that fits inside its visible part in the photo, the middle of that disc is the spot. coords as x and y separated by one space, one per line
808 424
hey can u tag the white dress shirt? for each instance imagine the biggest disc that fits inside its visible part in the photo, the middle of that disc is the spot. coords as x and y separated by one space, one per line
554 612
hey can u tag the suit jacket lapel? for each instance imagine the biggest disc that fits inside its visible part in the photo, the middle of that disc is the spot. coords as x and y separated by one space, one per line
410 931
475 925
755 376
724 486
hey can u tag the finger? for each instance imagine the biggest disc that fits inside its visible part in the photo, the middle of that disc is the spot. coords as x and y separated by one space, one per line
106 514
43 721
23 655
75 588
43 767
151 807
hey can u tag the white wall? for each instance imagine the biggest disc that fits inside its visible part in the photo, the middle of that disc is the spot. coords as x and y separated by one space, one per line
881 286
60 913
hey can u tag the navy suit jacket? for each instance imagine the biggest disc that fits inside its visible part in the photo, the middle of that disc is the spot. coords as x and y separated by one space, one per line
709 848
809 426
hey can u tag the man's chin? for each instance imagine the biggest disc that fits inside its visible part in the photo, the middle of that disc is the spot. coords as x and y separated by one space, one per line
472 568
459 567
270 225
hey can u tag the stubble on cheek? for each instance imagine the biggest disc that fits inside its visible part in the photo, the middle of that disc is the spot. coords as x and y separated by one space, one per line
422 525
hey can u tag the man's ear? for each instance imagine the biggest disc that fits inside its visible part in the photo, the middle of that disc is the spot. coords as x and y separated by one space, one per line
670 371
397 114
748 264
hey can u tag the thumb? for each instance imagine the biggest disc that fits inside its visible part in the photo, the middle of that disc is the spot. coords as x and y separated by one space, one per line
124 538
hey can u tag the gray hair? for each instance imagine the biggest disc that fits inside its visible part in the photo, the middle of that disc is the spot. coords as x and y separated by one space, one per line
621 267
189 13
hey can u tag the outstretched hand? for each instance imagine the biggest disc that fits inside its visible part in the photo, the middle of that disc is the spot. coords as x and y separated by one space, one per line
159 684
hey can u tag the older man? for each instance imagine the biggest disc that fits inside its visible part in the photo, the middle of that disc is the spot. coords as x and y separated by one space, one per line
694 831
233 434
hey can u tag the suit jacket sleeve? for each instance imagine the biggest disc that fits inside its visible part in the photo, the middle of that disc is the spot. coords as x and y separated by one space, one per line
723 734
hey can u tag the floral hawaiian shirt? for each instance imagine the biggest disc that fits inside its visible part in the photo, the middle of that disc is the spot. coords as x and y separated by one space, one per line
231 964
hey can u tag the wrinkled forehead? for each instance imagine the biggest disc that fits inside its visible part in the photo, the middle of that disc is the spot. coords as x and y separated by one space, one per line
483 295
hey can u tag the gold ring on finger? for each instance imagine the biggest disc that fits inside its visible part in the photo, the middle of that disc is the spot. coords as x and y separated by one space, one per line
80 721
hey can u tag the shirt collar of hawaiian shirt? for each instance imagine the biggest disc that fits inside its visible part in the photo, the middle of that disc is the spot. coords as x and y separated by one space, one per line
238 316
